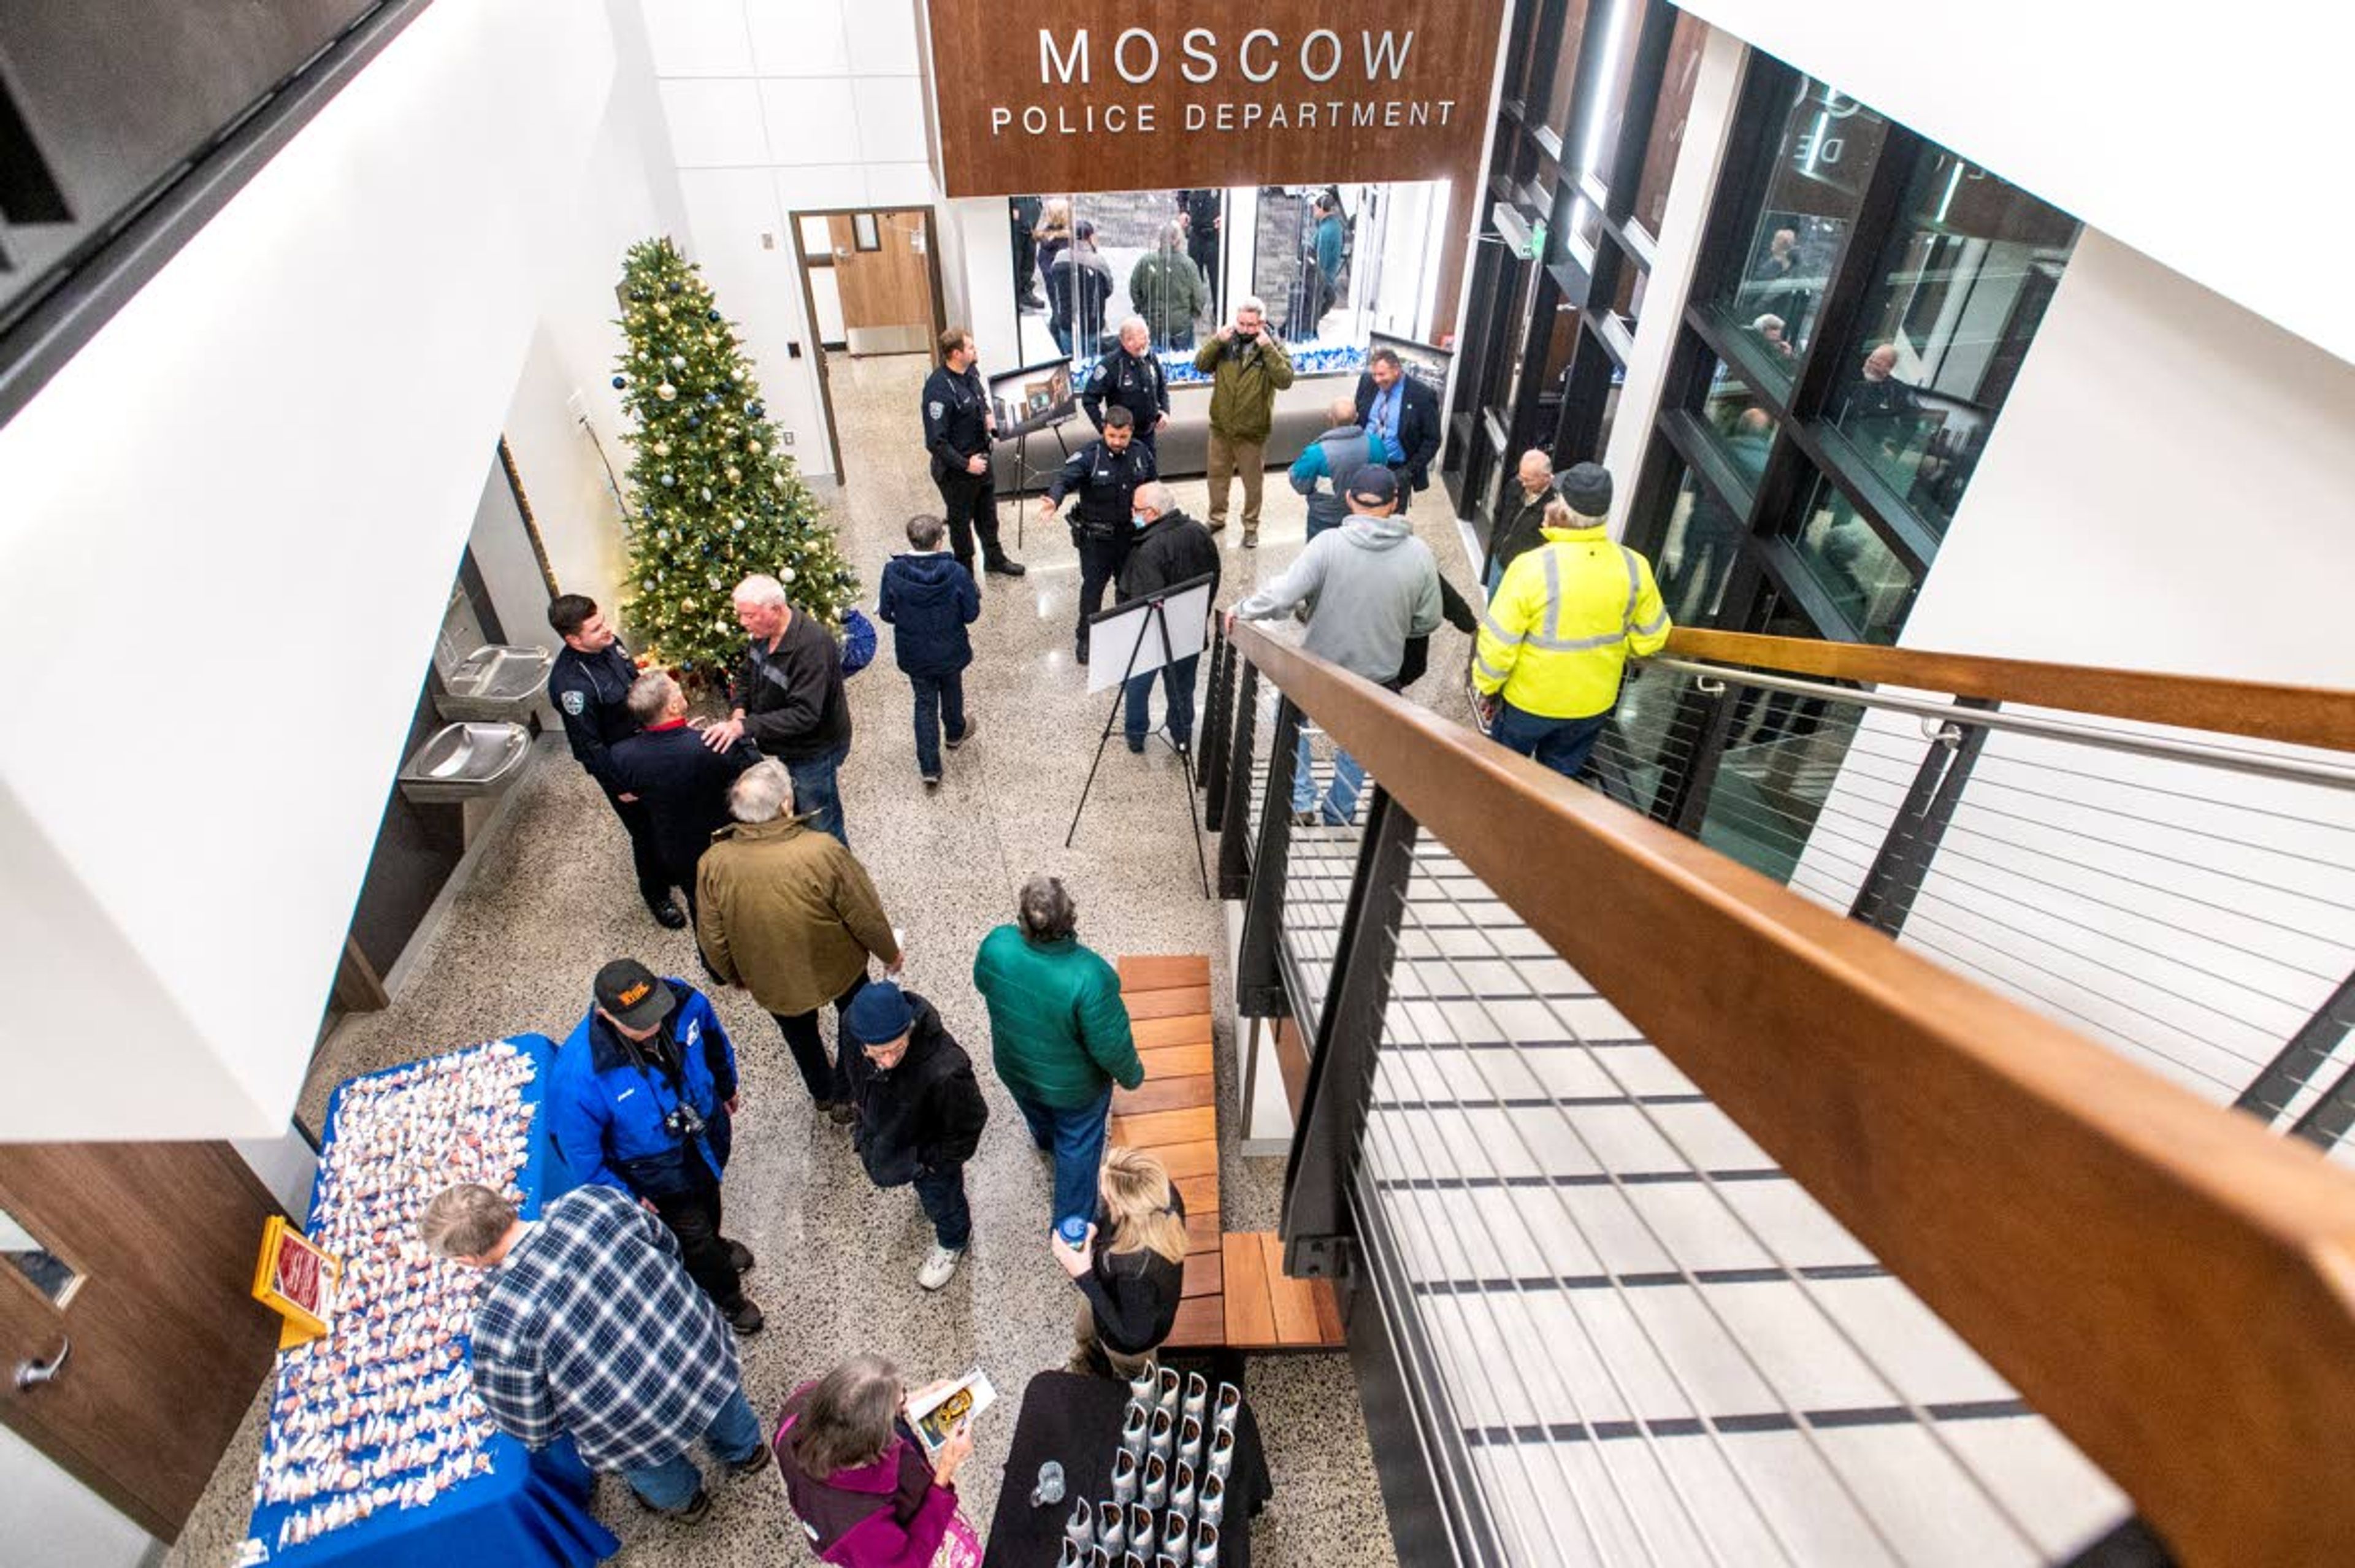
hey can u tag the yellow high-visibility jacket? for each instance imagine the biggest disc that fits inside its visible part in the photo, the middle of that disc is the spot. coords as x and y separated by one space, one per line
1564 622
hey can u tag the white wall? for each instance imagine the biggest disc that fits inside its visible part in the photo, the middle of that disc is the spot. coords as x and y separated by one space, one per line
2168 489
780 106
49 1519
228 528
2206 140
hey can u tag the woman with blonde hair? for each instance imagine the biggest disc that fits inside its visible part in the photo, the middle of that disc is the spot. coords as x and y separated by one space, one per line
1130 1286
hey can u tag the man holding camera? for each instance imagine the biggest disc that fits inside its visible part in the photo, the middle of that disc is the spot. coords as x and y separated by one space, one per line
642 1099
1247 366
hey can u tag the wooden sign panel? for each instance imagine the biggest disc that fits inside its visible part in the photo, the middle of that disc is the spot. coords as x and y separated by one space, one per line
1071 95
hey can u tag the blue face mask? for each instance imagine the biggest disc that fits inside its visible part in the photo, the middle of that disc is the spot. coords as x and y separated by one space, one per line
1140 520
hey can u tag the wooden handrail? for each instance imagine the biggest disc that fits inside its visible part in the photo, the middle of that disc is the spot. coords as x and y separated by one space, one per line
2172 1285
2298 715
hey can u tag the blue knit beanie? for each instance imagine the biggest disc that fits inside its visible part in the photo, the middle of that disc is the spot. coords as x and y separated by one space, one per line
878 1015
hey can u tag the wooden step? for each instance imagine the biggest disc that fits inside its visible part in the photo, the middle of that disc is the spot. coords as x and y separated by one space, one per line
1268 1310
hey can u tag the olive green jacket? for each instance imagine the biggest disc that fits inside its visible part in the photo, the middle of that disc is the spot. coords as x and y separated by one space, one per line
1166 289
1058 1028
1244 385
788 913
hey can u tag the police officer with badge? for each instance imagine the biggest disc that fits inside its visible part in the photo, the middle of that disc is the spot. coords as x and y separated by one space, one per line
958 425
1133 380
1104 475
591 683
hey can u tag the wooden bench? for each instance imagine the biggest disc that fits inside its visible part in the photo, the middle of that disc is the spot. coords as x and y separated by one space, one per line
1237 1294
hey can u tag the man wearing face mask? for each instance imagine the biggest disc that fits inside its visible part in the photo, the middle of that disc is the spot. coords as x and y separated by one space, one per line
1169 548
1104 476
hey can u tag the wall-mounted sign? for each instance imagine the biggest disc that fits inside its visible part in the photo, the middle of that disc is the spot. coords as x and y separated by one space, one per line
1066 95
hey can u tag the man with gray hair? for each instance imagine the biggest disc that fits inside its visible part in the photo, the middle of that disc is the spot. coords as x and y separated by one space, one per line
1517 532
788 698
1170 548
1248 365
1131 379
792 916
1170 291
682 782
589 1327
1059 1036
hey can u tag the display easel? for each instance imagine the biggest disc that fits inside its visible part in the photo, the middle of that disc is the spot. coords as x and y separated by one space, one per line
1022 471
1144 624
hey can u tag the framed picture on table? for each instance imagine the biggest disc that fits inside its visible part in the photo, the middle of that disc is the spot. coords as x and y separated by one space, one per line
297 1280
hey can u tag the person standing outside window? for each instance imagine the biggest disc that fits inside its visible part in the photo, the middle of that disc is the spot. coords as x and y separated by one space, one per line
1248 366
1058 1034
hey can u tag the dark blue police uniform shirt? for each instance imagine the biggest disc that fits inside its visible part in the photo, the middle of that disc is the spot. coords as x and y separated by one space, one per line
592 691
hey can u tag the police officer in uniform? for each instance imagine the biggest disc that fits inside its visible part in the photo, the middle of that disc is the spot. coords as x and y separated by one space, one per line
1104 475
591 684
1133 380
958 425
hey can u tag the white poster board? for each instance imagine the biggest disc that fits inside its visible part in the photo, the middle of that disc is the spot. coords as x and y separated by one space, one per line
1133 627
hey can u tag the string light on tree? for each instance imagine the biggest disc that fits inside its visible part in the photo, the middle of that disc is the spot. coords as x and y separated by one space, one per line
731 501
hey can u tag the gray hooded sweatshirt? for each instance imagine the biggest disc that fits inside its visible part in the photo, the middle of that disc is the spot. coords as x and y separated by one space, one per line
1374 584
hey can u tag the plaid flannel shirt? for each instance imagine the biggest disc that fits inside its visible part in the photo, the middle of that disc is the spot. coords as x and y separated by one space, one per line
592 1327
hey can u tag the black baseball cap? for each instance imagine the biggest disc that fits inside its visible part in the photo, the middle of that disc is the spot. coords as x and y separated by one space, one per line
1373 484
632 994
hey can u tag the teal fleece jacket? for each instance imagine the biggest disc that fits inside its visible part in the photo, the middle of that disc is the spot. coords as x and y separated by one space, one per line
1058 1031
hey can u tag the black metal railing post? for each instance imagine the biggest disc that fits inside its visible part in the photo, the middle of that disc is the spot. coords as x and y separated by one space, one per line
1258 978
1235 804
1903 863
1317 1234
2300 1062
1218 723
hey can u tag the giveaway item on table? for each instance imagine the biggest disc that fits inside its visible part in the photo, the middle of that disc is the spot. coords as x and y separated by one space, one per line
379 1413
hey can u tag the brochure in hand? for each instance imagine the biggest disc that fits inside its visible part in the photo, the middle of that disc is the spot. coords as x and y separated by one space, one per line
937 1414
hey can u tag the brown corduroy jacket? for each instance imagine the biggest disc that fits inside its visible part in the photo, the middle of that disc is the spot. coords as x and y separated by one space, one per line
788 913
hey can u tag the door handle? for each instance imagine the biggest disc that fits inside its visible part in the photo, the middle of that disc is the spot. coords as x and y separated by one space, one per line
31 1375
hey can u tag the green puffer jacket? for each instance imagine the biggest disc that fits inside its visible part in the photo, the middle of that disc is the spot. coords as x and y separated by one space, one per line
1058 1031
1244 381
1166 289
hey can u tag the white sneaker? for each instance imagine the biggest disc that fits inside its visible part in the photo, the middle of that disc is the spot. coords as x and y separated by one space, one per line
939 1264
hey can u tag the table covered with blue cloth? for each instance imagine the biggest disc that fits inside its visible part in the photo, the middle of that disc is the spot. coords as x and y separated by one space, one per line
387 1484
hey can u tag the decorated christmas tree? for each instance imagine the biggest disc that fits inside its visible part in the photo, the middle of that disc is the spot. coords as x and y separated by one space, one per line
712 494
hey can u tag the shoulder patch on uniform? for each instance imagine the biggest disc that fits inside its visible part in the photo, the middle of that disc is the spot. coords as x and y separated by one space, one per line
936 407
574 703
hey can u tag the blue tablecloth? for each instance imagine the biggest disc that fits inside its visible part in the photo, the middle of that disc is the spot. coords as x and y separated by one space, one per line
529 1511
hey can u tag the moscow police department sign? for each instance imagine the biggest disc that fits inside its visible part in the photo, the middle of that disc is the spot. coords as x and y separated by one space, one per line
1048 97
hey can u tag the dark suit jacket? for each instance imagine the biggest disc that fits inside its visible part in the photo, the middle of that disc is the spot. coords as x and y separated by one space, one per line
684 783
1418 426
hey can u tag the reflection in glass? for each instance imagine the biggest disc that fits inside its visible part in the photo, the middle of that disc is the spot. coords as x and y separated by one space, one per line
1697 552
1959 293
1668 137
1085 262
49 1274
1849 561
1781 755
1829 143
1738 425
1564 83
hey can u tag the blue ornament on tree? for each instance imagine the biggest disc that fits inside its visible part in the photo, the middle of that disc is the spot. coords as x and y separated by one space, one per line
668 480
754 407
693 420
711 400
711 315
620 382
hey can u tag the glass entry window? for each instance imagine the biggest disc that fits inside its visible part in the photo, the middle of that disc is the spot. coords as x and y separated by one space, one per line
1829 144
1081 263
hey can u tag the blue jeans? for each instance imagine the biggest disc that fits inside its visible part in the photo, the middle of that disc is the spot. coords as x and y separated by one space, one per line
1077 1139
734 1435
1560 744
1340 797
1178 685
815 792
941 1192
939 697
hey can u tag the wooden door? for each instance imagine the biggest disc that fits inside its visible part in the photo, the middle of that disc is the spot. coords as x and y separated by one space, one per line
141 1257
883 269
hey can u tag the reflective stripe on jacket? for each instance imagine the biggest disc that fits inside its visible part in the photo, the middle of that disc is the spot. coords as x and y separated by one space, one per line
1564 622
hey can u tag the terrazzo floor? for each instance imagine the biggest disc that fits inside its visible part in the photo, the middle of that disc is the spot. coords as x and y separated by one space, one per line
550 899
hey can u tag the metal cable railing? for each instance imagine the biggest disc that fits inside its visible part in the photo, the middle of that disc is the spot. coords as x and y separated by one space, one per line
1543 1094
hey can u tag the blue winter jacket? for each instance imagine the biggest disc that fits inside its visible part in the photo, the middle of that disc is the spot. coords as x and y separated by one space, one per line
606 1104
929 600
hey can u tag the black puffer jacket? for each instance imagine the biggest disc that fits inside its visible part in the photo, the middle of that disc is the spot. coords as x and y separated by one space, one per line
926 1113
1171 548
